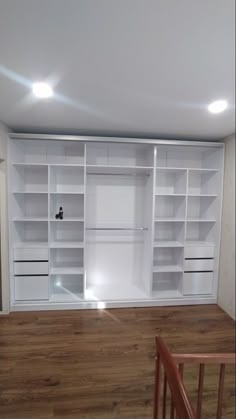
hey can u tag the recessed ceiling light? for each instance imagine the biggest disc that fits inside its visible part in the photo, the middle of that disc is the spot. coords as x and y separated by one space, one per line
218 106
42 90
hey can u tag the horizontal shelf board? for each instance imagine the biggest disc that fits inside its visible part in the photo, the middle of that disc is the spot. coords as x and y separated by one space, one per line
66 165
29 219
200 220
192 169
66 245
186 168
163 243
167 220
167 294
116 228
77 220
167 268
31 192
202 195
66 271
67 192
170 194
66 297
198 243
30 164
30 244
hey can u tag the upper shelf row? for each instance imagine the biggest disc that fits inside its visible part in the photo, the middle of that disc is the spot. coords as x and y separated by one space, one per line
71 179
120 155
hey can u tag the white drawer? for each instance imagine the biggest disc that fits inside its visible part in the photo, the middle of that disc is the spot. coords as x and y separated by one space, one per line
197 283
31 268
31 288
199 252
199 265
29 253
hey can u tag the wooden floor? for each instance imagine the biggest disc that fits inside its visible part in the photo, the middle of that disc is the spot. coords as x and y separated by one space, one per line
100 364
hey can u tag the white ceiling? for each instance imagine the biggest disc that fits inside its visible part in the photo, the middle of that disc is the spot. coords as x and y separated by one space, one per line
120 67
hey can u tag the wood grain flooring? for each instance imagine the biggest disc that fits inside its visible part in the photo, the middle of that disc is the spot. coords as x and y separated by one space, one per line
100 364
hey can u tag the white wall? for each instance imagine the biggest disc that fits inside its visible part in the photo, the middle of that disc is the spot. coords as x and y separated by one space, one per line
226 293
4 293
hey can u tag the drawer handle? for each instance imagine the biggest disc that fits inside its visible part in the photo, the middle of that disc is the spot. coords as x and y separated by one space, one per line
21 275
198 272
30 261
199 258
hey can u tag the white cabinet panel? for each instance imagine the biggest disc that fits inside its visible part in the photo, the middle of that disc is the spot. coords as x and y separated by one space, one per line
31 288
191 252
199 265
197 283
31 268
28 253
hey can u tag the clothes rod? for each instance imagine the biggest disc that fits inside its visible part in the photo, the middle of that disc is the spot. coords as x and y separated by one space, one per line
118 228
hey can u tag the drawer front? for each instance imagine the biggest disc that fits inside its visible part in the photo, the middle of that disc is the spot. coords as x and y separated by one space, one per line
197 283
29 253
199 252
31 288
31 268
199 265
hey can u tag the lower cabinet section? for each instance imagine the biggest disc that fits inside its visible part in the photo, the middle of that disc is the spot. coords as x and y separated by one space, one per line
31 288
197 283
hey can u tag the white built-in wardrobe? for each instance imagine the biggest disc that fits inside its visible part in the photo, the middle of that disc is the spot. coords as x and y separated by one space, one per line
141 222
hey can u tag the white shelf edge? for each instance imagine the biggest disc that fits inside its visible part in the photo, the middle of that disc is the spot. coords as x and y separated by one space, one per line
104 166
187 168
202 195
67 220
169 220
29 219
168 244
66 193
66 271
171 194
31 192
200 220
167 268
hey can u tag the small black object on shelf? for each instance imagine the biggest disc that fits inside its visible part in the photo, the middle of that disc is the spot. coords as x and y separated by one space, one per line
59 216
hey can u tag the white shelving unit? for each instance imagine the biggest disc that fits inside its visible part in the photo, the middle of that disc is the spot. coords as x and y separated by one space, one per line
141 223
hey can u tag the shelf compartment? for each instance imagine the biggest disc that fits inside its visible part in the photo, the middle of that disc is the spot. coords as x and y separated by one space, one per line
66 288
172 207
188 157
67 245
169 231
200 232
29 179
62 233
201 208
30 206
30 233
203 182
168 259
120 155
73 206
66 261
171 181
67 152
119 170
167 285
67 179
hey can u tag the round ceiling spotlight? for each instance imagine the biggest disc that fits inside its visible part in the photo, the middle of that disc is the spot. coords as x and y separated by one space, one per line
218 106
42 90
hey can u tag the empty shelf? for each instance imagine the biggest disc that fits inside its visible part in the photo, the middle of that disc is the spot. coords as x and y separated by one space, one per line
167 294
64 297
167 268
162 243
66 245
66 271
26 219
67 219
